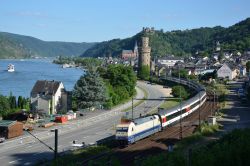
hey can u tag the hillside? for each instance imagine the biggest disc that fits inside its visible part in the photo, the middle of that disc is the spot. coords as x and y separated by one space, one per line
181 42
19 46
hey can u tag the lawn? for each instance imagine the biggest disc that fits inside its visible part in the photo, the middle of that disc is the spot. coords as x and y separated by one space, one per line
169 103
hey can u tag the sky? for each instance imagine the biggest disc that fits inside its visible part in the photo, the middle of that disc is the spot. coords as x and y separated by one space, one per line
102 20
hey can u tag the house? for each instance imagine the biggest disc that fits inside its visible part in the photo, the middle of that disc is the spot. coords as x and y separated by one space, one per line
169 61
243 71
227 71
10 129
49 97
199 69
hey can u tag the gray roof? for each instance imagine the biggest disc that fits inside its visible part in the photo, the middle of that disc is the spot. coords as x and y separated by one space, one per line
45 87
127 51
142 120
230 65
6 123
171 58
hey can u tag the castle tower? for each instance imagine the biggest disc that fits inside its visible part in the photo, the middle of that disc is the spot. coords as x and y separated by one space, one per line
144 52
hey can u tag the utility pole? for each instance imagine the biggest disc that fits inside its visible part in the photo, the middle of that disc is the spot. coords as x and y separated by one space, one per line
199 109
214 102
217 101
180 104
56 143
132 108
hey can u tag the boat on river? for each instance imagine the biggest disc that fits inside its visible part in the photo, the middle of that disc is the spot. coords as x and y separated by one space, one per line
11 68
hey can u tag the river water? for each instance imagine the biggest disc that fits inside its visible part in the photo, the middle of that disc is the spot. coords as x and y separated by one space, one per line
27 72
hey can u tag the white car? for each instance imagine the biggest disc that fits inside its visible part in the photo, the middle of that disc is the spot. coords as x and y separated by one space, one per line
2 139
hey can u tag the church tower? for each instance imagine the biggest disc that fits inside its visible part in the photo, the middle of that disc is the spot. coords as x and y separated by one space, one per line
217 46
136 53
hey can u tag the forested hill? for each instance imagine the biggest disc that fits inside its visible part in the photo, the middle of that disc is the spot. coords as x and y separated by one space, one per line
19 46
181 42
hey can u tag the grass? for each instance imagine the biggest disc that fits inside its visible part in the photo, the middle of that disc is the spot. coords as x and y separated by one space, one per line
169 104
77 157
206 129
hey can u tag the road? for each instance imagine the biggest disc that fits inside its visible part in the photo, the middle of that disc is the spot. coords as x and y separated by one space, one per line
28 151
237 112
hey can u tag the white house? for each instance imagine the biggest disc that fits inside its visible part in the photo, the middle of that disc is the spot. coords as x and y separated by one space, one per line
169 61
227 71
49 97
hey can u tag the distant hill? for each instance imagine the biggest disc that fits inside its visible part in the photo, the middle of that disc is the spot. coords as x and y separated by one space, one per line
19 46
181 42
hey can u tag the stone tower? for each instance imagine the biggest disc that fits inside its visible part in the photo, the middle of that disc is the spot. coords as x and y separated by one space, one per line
144 52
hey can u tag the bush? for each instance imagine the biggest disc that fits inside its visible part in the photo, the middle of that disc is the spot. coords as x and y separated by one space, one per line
180 91
183 73
144 72
120 83
206 129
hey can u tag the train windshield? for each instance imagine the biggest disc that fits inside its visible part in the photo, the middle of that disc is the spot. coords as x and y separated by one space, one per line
122 129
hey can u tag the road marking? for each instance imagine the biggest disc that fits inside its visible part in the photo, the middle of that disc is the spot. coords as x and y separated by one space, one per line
14 161
27 163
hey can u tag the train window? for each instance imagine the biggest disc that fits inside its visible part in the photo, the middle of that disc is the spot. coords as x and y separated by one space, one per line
194 105
122 129
174 115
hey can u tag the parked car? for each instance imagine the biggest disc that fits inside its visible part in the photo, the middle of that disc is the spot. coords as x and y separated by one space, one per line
2 139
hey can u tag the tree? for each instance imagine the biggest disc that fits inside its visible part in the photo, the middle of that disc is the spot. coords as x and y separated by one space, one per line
176 92
207 76
4 105
144 72
221 56
205 54
20 102
12 101
183 73
89 91
248 66
120 83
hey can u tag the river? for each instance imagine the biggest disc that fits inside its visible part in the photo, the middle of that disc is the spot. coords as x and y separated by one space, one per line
28 71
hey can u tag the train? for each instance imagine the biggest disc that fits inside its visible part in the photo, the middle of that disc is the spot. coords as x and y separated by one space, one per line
134 130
